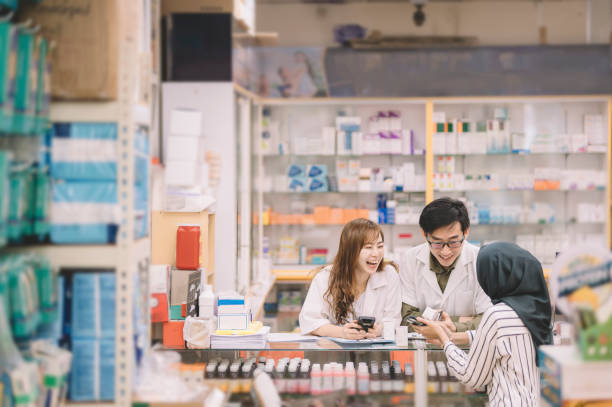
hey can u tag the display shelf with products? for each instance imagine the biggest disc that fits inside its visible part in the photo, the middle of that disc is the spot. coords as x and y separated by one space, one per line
383 373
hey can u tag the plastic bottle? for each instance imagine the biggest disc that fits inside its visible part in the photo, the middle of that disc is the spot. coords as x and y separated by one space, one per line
338 376
327 379
315 380
349 378
363 379
207 302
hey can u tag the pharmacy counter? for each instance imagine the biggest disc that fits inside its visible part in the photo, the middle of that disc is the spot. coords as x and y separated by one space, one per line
374 374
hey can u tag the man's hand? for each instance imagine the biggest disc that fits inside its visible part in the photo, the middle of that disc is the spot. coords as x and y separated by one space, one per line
446 319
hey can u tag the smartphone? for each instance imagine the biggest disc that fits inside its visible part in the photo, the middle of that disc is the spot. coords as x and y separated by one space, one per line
413 321
366 322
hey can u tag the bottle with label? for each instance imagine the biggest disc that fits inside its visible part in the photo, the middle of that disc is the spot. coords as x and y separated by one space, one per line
206 302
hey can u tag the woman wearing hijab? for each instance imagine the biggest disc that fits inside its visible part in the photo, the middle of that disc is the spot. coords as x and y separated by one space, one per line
503 353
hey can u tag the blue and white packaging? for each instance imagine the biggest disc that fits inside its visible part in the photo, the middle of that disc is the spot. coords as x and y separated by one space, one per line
297 184
93 305
84 151
84 212
296 171
316 170
317 184
92 377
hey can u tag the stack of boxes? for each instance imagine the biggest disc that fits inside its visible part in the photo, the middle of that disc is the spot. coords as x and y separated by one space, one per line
92 329
232 312
308 178
84 193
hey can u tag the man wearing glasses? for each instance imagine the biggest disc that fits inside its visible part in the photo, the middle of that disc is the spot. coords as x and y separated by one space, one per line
441 273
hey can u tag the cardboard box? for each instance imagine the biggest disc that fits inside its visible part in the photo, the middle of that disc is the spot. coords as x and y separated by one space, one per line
159 307
197 6
179 285
173 335
163 236
86 34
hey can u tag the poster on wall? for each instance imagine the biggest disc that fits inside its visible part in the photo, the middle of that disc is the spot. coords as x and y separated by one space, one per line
282 72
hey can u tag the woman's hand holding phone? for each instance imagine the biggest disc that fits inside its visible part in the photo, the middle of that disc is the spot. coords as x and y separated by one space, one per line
374 332
352 330
435 330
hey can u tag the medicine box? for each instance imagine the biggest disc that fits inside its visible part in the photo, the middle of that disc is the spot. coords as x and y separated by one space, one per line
92 377
93 305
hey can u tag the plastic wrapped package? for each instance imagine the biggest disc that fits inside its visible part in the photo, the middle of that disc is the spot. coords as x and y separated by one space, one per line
41 200
5 157
84 151
43 87
93 305
84 212
17 205
92 377
25 103
23 301
8 58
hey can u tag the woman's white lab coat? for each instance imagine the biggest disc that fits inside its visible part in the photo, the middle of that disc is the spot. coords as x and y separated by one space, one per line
463 295
382 299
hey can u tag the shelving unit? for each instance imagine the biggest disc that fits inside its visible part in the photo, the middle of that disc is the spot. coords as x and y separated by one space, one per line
305 117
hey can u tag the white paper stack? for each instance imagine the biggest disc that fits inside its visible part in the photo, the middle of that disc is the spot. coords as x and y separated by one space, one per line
236 340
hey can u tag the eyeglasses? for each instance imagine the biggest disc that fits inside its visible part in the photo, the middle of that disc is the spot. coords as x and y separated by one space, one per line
452 244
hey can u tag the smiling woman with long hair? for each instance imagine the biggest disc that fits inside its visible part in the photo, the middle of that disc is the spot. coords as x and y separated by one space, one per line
358 283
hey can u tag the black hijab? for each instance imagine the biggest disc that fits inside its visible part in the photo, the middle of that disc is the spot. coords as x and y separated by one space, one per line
514 276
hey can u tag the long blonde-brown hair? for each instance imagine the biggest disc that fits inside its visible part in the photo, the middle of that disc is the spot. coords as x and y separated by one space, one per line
340 295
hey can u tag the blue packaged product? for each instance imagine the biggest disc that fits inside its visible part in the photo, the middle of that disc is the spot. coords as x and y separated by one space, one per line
92 377
318 184
84 151
84 212
93 305
317 170
297 184
296 170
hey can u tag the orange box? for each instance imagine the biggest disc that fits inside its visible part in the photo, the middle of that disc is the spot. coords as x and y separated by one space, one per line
363 213
308 219
322 214
336 216
350 214
273 218
159 307
173 335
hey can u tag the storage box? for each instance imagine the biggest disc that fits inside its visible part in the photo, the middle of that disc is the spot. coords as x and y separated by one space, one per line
92 377
179 284
163 236
93 305
159 307
86 32
188 247
173 335
564 376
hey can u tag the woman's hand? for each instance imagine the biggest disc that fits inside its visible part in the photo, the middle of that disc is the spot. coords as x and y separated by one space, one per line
375 332
435 330
446 319
352 330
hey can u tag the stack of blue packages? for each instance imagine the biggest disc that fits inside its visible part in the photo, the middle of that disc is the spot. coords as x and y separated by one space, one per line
92 328
141 185
85 173
84 192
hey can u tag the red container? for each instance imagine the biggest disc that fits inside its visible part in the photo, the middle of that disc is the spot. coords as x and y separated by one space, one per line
188 247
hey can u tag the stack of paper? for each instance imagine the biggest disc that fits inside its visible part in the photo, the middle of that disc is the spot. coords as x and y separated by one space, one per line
237 339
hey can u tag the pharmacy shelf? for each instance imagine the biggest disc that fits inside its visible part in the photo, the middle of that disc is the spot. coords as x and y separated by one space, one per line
96 112
342 192
257 299
294 272
85 256
343 156
317 225
590 153
518 190
89 404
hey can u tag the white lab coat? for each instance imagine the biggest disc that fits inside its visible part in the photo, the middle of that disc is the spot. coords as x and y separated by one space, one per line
382 300
463 295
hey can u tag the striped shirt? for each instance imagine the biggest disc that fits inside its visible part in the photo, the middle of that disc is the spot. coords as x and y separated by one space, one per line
502 358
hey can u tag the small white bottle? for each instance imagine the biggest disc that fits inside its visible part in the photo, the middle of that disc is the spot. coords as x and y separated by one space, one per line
206 302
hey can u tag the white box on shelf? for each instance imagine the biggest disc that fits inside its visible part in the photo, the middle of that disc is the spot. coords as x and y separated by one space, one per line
184 148
185 122
233 321
182 173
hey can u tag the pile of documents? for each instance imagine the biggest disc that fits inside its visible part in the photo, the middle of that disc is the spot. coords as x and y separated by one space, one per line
256 337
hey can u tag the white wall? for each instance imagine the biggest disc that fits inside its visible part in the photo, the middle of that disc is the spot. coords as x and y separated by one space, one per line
216 102
508 22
